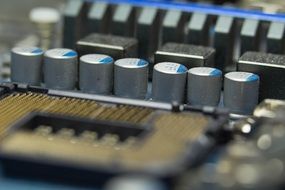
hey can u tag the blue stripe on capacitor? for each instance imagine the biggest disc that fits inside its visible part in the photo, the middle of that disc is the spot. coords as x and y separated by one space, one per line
252 77
70 54
215 72
106 60
38 50
142 62
181 69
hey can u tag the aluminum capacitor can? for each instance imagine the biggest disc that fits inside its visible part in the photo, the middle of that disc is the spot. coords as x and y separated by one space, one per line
26 65
131 78
204 86
96 74
168 82
60 69
241 92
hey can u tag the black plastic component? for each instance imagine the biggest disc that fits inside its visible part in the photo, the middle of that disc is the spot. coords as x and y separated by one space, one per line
188 55
75 15
147 32
99 17
250 35
114 46
276 38
173 26
199 29
270 68
224 38
124 20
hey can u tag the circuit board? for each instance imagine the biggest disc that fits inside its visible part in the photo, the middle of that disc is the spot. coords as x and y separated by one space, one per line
142 95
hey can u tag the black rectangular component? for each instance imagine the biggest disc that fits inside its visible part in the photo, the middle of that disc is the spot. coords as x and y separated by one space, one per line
188 55
173 26
147 32
198 29
99 17
123 20
75 15
250 35
115 46
276 38
270 68
224 38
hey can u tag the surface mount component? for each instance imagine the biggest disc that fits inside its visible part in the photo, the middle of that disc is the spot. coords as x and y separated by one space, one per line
124 20
26 65
173 26
270 68
147 33
188 55
60 69
204 86
131 78
96 74
99 17
75 15
250 35
224 37
275 38
115 46
168 82
241 90
198 29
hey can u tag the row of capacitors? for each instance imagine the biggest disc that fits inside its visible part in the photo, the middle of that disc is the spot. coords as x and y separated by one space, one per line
204 87
128 77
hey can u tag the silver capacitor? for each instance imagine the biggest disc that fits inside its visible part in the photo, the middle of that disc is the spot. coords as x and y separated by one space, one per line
131 78
168 82
60 69
96 74
241 92
204 86
26 65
